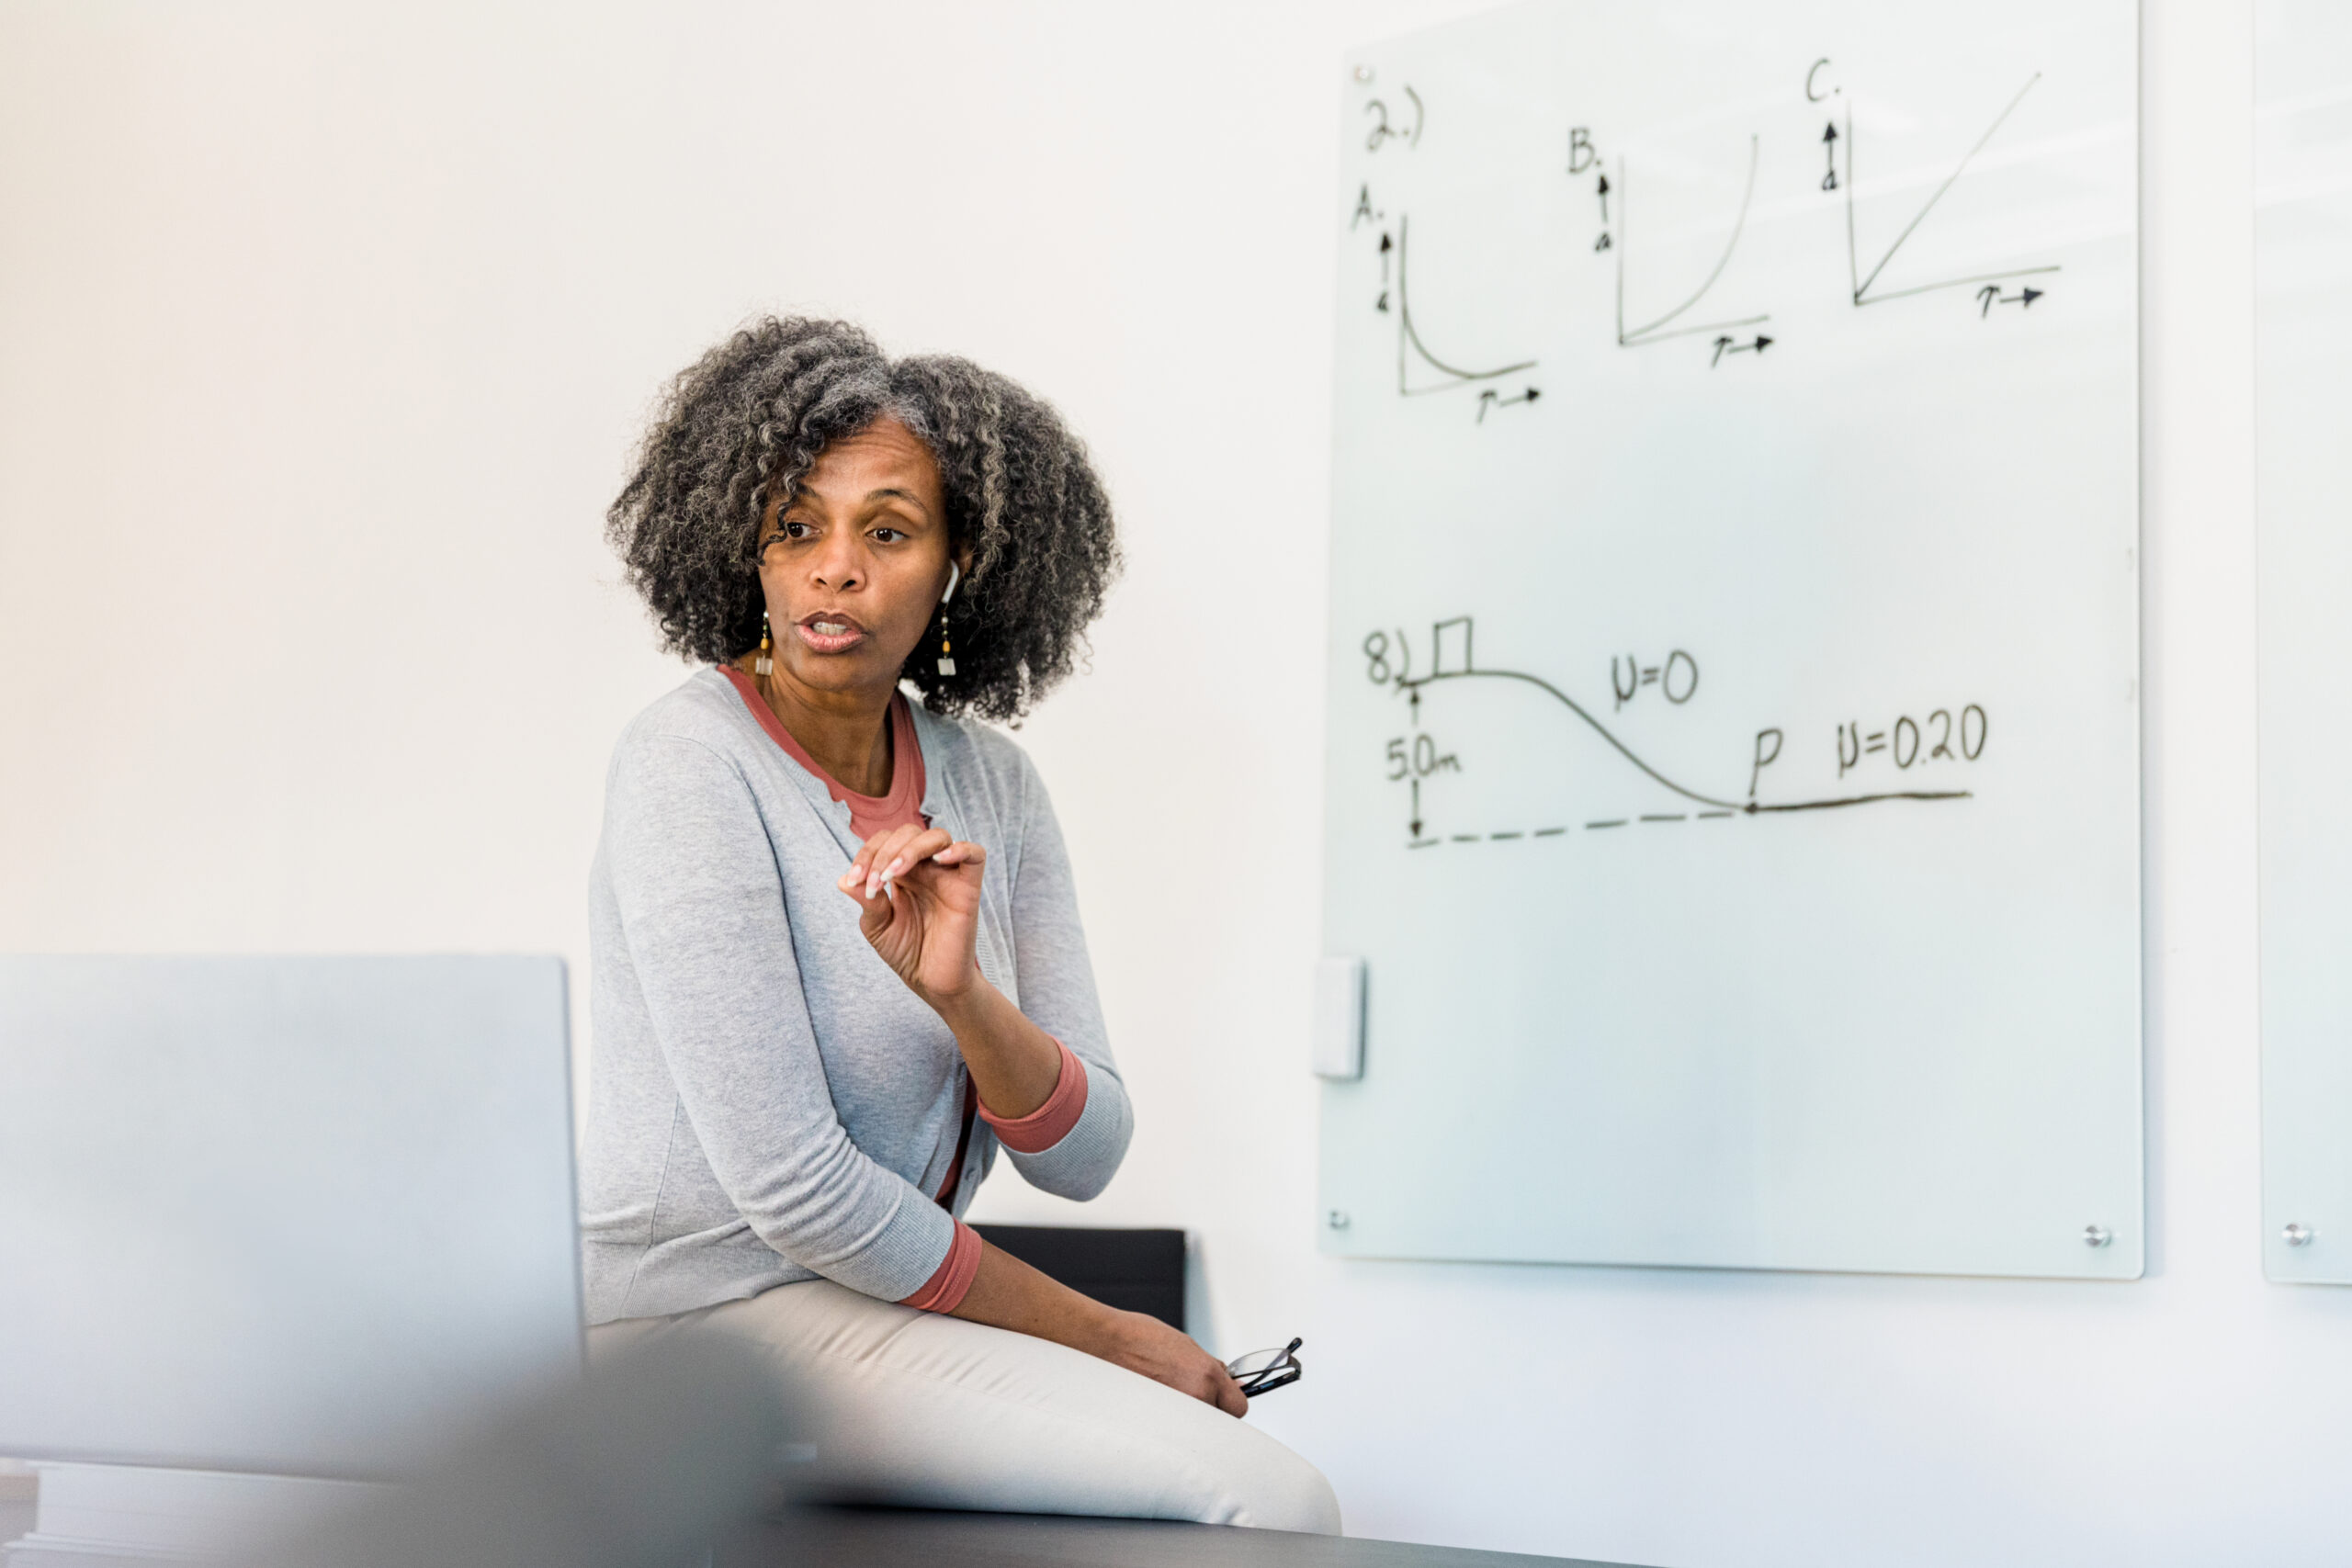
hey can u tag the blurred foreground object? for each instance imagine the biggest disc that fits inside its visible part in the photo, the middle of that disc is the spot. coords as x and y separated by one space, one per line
658 1454
271 1225
280 1215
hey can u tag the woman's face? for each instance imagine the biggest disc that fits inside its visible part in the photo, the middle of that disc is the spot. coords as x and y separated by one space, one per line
854 564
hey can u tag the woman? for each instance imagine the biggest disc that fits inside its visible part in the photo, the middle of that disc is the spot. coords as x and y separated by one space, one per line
837 955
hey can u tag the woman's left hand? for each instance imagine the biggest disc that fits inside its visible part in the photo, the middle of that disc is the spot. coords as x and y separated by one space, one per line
923 919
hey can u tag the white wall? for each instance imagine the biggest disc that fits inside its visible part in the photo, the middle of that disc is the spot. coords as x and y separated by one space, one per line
322 335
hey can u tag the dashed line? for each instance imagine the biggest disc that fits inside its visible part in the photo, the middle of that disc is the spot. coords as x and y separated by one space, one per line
1556 832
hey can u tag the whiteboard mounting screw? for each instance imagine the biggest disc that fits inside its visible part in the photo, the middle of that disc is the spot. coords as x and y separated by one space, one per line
2297 1236
1337 1219
1363 72
2097 1235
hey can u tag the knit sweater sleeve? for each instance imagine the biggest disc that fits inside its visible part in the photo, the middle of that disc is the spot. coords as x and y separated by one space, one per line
1057 995
703 914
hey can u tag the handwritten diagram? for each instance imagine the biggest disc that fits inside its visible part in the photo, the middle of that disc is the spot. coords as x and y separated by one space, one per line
1720 309
1942 736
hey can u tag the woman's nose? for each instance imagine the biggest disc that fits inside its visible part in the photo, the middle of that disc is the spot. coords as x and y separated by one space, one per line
836 568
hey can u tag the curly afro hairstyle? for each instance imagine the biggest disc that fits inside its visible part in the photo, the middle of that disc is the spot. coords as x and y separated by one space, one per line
745 423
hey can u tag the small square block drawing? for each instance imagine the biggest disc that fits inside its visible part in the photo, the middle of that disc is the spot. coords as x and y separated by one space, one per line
1450 641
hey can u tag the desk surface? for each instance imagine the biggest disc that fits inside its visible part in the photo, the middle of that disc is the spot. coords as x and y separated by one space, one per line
904 1537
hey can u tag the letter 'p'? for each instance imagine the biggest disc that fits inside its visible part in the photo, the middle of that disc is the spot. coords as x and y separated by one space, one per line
1768 751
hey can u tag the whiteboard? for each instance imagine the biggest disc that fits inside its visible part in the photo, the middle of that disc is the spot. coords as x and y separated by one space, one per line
2304 292
1732 746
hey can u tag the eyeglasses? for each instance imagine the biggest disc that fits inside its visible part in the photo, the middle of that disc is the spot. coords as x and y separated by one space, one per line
1262 1371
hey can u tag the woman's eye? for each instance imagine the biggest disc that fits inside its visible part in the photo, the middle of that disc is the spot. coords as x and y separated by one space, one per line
887 536
793 528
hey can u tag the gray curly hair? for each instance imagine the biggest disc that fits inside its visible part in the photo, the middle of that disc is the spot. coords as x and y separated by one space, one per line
744 424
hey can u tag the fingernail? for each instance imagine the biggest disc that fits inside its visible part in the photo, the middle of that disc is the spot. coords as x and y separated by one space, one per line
873 886
895 866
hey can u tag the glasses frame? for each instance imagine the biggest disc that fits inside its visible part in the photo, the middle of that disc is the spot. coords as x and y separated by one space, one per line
1284 1371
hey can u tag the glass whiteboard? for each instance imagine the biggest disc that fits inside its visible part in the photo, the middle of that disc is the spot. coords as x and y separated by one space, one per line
1733 768
2303 293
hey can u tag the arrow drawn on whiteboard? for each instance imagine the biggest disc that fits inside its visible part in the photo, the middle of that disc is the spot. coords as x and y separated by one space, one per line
1728 344
1991 295
1490 399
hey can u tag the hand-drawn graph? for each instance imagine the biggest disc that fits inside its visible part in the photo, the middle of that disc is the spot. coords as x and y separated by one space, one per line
1419 369
1414 357
1422 370
1659 329
1864 286
1418 758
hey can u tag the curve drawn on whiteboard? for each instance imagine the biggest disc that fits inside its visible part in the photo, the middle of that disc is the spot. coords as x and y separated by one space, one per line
1450 658
1409 346
1749 807
1654 331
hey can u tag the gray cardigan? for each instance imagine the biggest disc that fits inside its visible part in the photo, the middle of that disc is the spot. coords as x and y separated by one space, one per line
768 1101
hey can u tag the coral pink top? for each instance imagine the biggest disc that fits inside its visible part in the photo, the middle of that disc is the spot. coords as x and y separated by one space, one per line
1041 1128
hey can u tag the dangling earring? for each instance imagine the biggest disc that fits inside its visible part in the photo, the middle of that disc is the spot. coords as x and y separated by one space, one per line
946 660
763 664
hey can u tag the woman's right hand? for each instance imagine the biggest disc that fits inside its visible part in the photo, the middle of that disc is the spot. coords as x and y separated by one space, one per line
1142 1344
919 901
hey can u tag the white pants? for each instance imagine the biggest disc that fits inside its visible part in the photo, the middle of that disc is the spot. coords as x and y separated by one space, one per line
926 1411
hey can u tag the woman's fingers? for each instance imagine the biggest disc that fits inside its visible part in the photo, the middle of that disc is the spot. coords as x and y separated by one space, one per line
880 850
895 851
888 853
1229 1397
855 875
903 854
874 912
908 848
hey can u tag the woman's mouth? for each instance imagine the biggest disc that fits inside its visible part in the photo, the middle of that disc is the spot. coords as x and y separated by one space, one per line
829 632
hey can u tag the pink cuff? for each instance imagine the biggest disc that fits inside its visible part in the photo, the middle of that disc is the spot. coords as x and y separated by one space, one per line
945 1290
1050 1123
